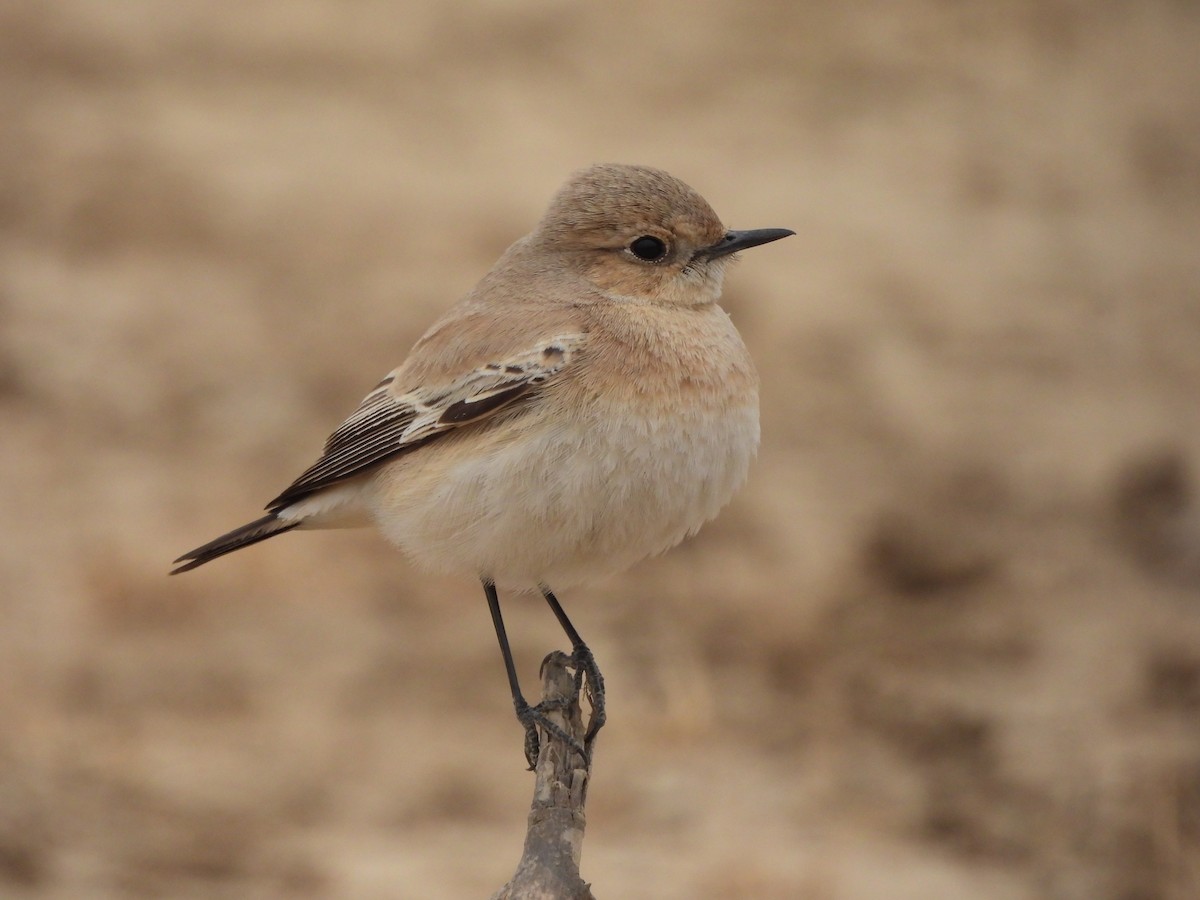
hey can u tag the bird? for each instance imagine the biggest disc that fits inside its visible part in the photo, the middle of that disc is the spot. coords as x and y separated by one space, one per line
588 404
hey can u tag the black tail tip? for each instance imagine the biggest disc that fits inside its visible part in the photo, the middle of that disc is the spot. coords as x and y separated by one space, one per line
187 567
258 530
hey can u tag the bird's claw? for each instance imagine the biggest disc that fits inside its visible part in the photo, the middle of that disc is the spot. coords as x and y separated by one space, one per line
534 717
589 679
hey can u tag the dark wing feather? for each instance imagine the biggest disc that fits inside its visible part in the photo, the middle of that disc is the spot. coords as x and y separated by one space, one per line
462 411
371 435
386 424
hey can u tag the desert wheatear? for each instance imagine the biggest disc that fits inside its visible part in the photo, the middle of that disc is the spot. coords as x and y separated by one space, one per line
586 405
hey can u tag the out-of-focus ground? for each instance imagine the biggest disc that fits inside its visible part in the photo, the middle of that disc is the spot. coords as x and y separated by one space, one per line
945 645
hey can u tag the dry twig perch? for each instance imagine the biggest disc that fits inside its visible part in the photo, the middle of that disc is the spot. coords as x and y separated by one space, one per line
549 867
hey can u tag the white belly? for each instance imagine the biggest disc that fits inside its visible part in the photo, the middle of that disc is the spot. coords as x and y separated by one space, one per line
554 504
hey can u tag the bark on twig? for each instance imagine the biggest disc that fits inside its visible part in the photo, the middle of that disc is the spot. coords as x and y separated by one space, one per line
549 867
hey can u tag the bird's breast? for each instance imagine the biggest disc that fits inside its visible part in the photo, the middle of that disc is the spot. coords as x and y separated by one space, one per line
627 457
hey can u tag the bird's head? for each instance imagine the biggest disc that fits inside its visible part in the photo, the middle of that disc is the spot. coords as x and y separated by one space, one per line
641 235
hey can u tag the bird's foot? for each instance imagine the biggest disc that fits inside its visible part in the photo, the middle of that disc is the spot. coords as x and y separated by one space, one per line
534 717
589 679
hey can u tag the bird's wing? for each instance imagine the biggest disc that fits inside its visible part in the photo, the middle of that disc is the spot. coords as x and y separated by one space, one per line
391 420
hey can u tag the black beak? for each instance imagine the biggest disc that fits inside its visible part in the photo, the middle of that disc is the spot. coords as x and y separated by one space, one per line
743 240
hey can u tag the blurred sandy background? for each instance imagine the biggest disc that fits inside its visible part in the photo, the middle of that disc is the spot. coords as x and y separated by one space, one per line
945 645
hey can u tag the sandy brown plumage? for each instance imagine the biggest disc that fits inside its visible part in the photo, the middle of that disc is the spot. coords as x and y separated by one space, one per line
586 405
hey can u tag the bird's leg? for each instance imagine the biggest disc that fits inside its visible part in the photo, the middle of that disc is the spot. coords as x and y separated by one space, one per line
585 665
529 716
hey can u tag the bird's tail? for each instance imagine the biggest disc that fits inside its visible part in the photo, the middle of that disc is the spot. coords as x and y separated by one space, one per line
258 530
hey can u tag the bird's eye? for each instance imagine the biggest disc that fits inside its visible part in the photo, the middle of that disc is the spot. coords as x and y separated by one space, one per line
648 248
